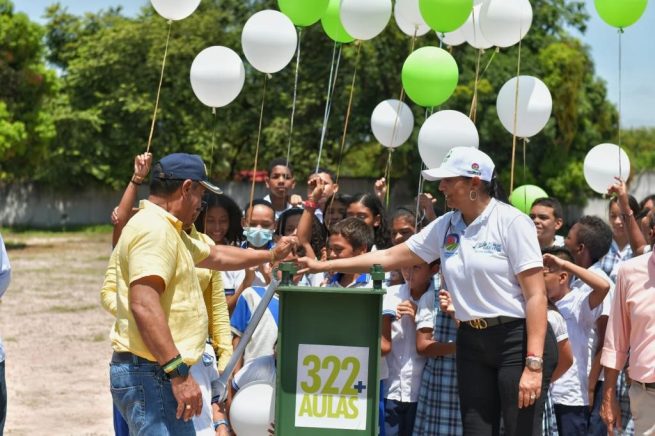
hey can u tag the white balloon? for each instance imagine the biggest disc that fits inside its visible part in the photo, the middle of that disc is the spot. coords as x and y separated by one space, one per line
441 132
217 76
472 30
410 11
505 22
175 9
365 19
253 409
392 123
456 37
534 105
602 164
269 40
407 27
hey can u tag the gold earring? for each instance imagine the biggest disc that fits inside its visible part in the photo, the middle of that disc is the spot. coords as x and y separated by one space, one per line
473 195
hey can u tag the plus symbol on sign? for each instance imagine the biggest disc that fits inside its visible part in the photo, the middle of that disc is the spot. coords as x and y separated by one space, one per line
359 386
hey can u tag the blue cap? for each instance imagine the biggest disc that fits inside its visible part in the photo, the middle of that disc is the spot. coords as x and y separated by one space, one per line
183 166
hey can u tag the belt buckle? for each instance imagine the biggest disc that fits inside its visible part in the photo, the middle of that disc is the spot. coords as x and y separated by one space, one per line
479 324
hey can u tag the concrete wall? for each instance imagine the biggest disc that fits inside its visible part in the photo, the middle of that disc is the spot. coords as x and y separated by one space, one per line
43 207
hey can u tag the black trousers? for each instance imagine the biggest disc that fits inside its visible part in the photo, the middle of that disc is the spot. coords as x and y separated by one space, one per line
489 367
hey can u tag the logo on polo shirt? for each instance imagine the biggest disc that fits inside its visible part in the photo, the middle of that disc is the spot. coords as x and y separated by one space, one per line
451 243
487 247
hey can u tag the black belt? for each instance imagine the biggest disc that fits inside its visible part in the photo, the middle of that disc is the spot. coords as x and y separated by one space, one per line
127 357
483 323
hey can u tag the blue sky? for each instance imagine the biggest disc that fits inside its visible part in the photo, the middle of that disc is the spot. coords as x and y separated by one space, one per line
638 43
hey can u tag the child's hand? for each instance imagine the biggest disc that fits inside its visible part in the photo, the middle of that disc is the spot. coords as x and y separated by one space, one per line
406 308
553 263
380 188
446 302
315 188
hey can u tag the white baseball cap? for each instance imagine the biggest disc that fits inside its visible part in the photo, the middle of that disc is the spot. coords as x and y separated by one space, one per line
463 162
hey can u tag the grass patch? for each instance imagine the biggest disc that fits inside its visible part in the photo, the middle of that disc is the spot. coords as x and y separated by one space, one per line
72 309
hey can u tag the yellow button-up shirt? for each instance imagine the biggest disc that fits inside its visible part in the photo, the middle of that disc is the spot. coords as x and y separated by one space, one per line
211 284
154 244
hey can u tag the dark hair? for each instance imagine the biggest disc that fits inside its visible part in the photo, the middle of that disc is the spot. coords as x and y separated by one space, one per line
406 212
284 217
381 232
561 252
345 199
651 219
494 189
319 236
643 213
279 161
552 203
259 202
330 173
632 202
355 231
648 198
162 187
234 234
596 236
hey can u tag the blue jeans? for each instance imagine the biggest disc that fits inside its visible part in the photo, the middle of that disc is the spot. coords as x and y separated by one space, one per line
3 397
145 399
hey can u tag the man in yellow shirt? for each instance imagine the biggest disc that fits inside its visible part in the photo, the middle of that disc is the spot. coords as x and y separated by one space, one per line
161 321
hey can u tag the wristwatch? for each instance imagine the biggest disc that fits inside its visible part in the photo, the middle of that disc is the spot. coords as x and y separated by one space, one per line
181 370
534 363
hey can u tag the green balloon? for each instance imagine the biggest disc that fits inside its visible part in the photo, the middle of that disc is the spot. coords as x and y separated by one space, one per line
429 76
523 197
331 23
303 12
445 15
620 13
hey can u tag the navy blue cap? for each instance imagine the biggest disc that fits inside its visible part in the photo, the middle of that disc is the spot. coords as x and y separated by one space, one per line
183 166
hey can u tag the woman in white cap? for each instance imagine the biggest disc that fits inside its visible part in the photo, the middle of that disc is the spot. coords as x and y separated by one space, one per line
492 266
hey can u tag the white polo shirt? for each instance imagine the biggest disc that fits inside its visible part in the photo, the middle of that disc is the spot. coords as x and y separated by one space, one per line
404 363
571 388
480 261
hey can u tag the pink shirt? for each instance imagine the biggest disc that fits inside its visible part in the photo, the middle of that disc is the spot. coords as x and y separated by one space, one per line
631 325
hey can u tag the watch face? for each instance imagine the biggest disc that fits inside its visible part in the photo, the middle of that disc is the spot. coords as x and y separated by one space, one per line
183 369
534 364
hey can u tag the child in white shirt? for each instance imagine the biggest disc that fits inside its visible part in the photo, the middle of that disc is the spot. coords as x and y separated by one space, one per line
404 362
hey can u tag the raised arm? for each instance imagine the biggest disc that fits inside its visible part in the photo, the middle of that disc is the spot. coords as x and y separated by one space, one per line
600 287
123 211
635 237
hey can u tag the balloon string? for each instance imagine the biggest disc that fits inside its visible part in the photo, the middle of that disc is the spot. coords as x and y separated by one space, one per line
525 191
350 104
474 102
211 156
334 72
428 112
620 73
401 98
387 177
516 118
161 80
295 94
259 135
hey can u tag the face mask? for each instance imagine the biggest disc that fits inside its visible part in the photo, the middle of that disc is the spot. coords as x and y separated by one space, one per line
258 237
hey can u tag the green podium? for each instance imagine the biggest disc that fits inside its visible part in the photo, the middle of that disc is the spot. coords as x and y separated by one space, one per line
328 358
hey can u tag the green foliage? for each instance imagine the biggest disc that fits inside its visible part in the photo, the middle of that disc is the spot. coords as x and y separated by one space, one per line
25 126
89 122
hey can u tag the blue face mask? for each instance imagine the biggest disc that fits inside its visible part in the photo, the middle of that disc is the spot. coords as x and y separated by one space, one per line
258 237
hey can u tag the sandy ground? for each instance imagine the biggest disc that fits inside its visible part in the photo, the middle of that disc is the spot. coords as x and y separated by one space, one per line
56 336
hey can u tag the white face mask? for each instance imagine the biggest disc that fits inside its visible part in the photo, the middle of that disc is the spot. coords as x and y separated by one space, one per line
258 237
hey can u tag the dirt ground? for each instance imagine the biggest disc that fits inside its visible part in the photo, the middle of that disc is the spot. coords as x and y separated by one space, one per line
56 335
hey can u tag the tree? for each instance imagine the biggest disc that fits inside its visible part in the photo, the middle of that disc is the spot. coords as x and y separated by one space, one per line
110 68
26 127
